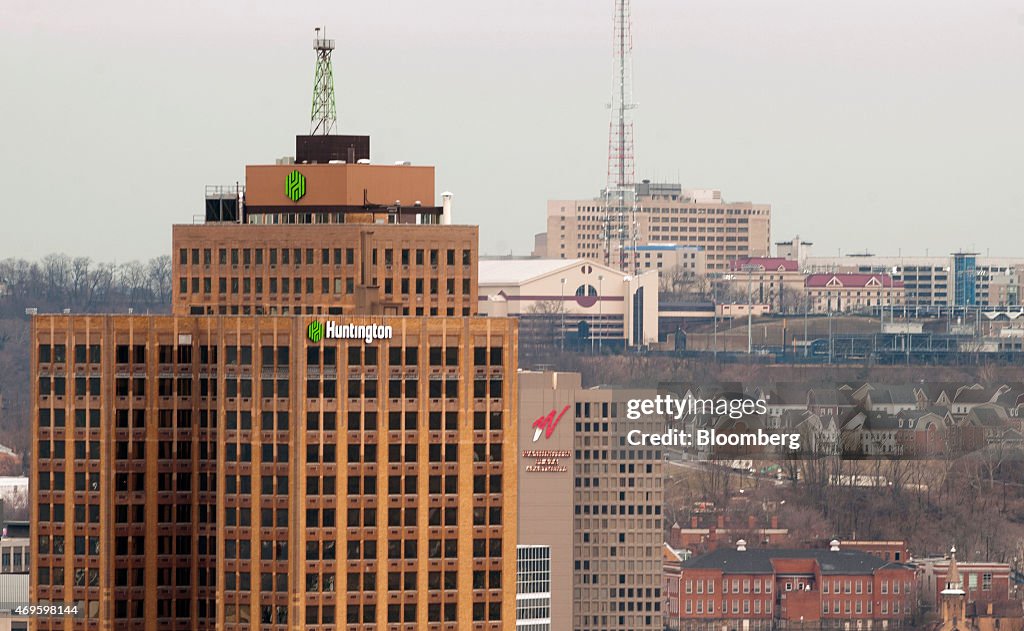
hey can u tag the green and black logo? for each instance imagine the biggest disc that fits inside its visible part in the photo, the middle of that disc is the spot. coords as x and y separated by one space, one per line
295 186
315 331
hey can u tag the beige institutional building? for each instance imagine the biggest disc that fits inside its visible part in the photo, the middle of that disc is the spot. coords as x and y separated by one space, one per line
555 298
665 213
593 500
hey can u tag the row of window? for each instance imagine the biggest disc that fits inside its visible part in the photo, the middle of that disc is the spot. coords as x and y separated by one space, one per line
49 353
298 286
270 356
327 256
708 607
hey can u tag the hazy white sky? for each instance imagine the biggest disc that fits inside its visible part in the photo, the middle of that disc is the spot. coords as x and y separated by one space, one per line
867 124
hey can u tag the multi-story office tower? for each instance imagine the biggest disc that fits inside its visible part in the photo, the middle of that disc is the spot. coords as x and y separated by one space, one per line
252 461
238 472
594 500
333 269
325 237
665 213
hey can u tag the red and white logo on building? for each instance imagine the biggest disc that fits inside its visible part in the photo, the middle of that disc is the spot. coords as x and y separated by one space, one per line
546 424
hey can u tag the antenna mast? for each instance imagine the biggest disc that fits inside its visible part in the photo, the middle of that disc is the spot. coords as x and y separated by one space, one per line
620 193
323 118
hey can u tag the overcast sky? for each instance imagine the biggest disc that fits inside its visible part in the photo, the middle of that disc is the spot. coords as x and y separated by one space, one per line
884 125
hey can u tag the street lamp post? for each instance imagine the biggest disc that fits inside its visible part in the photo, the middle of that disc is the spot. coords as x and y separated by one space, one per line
750 315
828 294
561 307
807 307
600 308
749 269
714 307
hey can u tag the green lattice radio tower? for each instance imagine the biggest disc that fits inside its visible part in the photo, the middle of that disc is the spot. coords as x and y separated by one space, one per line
324 119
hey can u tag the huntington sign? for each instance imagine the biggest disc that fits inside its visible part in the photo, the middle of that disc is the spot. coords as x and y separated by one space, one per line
317 331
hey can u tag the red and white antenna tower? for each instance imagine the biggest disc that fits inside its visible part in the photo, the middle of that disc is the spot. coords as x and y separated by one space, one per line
620 229
621 160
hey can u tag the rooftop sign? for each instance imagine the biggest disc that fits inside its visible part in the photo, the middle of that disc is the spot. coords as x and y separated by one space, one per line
317 331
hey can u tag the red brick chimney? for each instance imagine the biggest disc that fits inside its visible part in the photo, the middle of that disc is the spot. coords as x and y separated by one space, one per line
693 522
775 521
751 522
721 521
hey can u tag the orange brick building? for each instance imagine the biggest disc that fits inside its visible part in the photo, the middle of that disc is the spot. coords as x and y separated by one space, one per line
252 461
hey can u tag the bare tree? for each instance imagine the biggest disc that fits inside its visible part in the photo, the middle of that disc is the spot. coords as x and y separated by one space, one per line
543 326
57 274
159 274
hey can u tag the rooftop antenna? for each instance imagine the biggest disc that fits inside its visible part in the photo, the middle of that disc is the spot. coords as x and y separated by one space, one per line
620 193
621 162
323 119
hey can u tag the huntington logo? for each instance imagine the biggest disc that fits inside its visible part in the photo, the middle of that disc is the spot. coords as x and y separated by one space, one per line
317 331
295 186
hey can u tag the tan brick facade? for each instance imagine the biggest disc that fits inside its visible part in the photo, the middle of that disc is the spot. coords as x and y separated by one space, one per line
390 269
226 472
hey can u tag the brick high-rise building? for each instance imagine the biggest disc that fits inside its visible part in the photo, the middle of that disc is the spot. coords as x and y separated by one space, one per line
359 239
252 461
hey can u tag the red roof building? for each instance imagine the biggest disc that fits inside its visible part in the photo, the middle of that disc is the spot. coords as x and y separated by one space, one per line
772 281
829 293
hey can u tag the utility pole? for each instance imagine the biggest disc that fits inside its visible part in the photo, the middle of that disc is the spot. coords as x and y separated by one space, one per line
600 308
561 307
807 307
829 295
714 315
749 269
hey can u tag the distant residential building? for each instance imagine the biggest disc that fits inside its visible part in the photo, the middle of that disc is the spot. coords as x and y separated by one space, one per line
983 582
577 302
671 567
665 213
776 282
959 607
886 398
829 293
687 261
966 399
934 280
908 433
761 589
